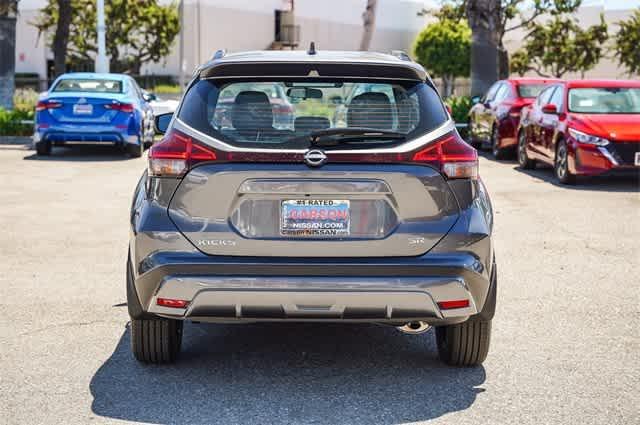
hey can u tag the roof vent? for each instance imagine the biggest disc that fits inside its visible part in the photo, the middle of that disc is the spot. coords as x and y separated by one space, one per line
312 48
219 54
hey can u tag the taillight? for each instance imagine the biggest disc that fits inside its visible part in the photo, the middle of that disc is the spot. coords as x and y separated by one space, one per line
176 154
47 104
118 106
452 156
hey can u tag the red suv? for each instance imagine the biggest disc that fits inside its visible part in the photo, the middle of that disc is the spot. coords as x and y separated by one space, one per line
494 118
583 127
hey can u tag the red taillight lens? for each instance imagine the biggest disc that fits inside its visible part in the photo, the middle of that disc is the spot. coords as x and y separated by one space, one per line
176 153
452 155
169 302
117 106
450 305
47 104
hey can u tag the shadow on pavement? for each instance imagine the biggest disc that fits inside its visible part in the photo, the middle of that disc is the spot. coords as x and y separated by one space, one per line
303 373
606 183
82 153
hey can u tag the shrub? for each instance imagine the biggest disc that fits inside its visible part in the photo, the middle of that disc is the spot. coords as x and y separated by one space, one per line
166 89
25 99
10 122
460 106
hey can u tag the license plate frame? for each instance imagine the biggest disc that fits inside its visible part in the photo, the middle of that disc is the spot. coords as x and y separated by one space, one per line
82 109
637 159
315 218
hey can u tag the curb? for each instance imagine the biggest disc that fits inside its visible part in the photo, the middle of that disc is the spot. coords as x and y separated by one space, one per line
16 140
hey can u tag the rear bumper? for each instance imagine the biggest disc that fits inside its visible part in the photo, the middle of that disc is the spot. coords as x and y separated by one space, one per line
86 134
236 289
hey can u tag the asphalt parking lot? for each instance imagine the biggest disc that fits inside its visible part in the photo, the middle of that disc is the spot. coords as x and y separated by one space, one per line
564 351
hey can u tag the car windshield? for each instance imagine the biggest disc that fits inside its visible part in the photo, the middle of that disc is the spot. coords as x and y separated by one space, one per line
286 113
605 100
530 90
88 85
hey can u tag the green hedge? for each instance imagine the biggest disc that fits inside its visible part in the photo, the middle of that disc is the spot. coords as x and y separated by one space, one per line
460 106
10 122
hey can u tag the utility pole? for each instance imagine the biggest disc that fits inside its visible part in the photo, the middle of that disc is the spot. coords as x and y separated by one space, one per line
181 55
102 64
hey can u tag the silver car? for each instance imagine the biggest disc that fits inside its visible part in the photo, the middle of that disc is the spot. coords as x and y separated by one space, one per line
378 218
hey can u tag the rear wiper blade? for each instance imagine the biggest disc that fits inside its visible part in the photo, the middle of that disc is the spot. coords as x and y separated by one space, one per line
336 136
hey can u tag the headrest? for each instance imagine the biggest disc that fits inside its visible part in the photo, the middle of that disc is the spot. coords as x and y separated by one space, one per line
311 123
252 112
371 110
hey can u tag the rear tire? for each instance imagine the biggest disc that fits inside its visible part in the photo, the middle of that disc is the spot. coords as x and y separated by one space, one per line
43 148
135 151
156 340
464 344
561 165
472 141
498 152
523 159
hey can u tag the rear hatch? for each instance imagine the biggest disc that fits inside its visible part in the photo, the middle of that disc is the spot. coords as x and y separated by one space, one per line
290 210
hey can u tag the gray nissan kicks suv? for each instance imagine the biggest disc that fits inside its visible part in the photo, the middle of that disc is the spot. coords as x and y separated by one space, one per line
368 210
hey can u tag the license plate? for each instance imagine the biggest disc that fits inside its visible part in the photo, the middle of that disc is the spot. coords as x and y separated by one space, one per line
637 160
315 218
82 109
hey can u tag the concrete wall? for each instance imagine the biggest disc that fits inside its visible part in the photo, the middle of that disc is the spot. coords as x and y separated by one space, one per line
250 25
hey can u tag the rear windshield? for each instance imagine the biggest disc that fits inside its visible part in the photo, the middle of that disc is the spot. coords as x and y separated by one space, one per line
88 85
530 90
605 100
282 113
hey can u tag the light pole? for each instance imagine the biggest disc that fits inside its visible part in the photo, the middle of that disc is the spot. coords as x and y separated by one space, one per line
102 64
181 55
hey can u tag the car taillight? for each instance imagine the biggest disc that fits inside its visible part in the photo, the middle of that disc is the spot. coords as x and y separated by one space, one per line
47 104
176 154
117 106
451 155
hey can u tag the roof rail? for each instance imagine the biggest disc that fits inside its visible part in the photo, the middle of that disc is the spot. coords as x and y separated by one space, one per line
401 54
219 54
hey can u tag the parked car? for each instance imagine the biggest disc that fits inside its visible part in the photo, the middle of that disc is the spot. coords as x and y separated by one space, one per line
160 105
283 110
583 127
382 221
93 108
494 118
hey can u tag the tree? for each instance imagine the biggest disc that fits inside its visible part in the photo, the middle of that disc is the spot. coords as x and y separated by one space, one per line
627 43
560 46
61 37
443 48
8 13
138 31
369 24
489 21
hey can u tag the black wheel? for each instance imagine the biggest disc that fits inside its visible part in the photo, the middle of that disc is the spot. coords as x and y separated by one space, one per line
156 340
496 150
523 159
135 150
561 165
43 148
464 344
472 140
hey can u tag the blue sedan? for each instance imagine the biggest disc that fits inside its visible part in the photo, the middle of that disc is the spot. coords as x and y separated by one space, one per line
88 107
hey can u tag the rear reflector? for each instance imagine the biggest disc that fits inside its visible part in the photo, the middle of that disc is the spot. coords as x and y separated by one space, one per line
450 305
168 302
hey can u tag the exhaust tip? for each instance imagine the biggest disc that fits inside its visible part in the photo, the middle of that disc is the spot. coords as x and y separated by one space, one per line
414 328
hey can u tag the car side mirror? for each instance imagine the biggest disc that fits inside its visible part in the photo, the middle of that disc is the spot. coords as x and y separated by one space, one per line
550 108
162 121
475 100
149 97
